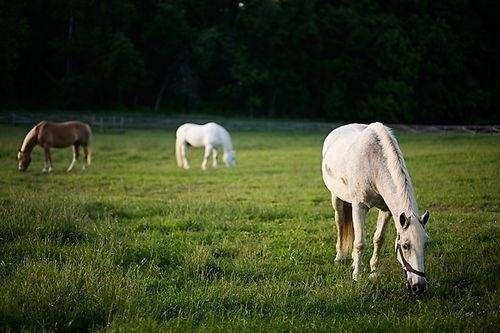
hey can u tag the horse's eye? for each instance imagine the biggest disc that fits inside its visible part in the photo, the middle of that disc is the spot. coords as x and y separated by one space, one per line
406 246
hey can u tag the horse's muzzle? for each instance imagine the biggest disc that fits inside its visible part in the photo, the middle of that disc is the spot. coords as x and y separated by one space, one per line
417 288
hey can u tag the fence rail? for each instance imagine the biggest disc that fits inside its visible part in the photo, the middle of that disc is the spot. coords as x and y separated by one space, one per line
120 123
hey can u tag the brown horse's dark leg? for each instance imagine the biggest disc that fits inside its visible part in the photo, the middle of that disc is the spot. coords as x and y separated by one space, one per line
76 151
48 160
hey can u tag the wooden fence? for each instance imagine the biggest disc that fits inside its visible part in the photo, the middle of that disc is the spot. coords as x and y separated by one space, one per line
101 122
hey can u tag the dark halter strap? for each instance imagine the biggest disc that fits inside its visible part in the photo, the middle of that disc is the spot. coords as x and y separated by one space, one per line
406 264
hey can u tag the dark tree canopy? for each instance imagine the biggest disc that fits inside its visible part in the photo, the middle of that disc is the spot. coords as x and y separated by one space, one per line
394 61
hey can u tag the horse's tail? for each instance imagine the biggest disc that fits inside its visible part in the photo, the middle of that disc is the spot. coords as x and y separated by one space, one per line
178 151
346 228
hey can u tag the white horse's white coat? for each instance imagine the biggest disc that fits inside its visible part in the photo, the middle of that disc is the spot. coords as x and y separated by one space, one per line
212 136
363 167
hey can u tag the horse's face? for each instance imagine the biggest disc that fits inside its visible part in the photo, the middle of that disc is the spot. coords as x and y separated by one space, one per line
411 243
230 158
24 161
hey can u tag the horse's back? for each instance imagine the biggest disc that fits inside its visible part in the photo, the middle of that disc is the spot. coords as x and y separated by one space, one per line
61 135
342 136
182 129
348 152
201 135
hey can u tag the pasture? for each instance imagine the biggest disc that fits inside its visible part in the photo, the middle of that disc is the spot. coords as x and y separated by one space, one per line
137 244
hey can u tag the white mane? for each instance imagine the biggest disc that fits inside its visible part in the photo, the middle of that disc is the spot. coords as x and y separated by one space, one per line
396 166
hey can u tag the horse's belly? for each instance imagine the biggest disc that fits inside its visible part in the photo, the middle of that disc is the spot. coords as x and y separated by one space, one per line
337 183
343 178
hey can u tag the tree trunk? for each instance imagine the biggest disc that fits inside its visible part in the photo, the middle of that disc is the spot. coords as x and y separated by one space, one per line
70 35
160 96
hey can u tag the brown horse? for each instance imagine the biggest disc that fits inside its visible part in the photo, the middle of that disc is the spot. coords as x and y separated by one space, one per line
56 135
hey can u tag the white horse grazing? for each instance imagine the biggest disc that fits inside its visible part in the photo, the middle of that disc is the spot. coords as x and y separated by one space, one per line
212 136
363 167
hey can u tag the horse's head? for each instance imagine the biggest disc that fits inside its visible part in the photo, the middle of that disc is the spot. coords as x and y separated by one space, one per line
411 243
24 160
230 158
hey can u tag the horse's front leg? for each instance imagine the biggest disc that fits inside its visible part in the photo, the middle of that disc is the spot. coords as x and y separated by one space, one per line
48 161
358 219
208 150
76 150
214 153
378 238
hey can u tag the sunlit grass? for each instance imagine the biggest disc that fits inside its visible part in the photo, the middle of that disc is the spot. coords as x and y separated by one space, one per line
135 243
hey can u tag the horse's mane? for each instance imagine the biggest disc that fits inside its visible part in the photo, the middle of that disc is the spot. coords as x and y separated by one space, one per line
29 139
396 166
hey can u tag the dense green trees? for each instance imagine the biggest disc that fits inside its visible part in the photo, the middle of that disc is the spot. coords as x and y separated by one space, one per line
395 61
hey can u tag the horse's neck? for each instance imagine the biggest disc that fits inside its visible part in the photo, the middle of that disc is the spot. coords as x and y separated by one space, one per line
30 141
227 146
399 198
394 183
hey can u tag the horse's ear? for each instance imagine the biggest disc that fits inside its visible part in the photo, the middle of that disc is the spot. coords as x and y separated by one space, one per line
425 218
403 220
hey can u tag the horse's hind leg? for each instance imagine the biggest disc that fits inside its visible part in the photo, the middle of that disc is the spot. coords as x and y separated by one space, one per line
86 157
379 237
358 221
76 150
345 233
208 150
48 160
185 163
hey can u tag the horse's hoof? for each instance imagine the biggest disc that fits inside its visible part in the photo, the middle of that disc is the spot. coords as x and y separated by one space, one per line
340 258
374 276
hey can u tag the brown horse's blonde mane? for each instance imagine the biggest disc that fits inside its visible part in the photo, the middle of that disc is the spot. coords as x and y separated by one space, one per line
31 139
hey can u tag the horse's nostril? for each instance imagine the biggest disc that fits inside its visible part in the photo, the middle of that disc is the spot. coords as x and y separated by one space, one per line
415 288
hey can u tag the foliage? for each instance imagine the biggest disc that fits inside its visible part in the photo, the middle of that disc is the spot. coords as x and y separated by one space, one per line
417 61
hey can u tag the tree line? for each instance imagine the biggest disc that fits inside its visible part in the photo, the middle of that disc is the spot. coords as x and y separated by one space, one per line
395 61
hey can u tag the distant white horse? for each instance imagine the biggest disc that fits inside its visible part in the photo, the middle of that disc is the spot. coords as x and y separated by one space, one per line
212 136
363 167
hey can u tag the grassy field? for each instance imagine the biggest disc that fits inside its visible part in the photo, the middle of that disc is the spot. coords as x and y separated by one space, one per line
136 244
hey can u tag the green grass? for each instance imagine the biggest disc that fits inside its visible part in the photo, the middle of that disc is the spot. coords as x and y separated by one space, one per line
136 244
